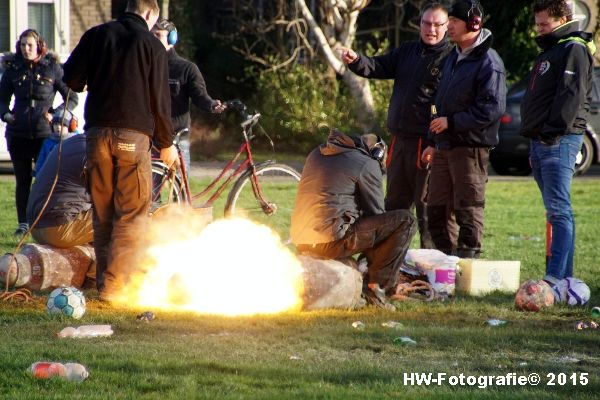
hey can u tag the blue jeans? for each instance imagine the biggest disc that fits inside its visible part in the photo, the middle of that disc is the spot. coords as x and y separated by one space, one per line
553 167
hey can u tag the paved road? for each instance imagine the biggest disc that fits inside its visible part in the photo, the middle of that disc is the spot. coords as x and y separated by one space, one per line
212 169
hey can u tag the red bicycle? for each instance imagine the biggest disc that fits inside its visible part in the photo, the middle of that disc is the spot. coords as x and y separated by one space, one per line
260 191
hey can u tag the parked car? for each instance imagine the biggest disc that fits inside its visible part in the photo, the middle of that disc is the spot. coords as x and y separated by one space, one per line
511 156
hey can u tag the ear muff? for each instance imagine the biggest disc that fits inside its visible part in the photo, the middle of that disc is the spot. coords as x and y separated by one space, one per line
42 47
172 37
474 15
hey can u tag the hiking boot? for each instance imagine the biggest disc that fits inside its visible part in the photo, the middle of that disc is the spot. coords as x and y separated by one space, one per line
21 229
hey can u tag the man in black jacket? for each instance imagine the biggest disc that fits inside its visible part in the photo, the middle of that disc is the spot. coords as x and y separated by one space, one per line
128 105
340 212
553 115
186 83
415 67
470 100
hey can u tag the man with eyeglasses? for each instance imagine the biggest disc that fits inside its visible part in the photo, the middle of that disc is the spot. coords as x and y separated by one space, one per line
416 69
470 99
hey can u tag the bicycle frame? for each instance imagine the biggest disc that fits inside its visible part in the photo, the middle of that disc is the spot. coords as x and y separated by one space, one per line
246 165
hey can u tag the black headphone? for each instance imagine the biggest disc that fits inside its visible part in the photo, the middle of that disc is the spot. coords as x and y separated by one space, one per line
42 47
474 17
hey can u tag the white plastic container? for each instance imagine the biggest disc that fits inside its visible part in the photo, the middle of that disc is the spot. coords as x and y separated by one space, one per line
442 276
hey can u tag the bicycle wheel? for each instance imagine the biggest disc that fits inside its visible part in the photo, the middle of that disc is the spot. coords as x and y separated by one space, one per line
165 187
278 184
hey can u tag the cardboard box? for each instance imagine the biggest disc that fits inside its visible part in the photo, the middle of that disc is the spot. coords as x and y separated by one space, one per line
478 277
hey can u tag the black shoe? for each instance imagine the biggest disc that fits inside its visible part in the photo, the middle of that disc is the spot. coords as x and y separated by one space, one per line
21 230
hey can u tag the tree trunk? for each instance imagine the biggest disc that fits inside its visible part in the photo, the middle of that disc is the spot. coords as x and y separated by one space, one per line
359 87
164 9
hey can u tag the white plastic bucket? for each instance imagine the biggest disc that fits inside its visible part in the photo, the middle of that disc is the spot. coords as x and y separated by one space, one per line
442 277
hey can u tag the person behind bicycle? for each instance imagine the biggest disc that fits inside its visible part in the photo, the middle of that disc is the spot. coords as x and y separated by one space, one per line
186 83
340 211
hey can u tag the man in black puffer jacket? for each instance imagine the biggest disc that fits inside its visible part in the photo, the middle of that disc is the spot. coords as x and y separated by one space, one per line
553 115
470 100
416 68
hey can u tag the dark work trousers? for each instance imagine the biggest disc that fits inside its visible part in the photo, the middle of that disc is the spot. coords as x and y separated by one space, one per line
119 179
23 154
407 180
383 239
456 200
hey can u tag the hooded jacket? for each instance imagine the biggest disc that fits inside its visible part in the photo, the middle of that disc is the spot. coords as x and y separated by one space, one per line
559 93
416 70
472 95
125 69
340 183
34 85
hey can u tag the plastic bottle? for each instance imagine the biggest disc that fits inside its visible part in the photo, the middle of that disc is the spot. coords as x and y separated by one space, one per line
596 312
86 331
71 371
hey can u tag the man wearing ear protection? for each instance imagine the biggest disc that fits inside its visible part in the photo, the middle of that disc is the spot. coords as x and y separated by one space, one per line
470 100
340 211
186 83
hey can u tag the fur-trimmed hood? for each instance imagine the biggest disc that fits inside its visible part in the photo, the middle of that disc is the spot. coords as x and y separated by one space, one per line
10 59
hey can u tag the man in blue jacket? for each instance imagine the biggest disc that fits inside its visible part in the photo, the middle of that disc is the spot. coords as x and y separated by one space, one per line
415 67
67 218
471 98
553 115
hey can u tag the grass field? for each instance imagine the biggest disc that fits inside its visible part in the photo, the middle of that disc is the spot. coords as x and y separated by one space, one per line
320 354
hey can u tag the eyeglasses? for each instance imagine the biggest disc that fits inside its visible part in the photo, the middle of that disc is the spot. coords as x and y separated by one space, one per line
436 25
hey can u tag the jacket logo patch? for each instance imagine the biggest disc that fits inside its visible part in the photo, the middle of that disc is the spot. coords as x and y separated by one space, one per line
125 146
544 67
434 71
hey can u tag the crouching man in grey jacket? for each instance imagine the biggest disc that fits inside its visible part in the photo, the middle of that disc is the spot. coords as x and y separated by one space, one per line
340 210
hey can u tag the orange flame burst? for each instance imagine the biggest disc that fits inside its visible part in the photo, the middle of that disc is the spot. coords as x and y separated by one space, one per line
231 267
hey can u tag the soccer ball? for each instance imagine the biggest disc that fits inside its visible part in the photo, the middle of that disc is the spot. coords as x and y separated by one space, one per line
67 301
578 293
534 295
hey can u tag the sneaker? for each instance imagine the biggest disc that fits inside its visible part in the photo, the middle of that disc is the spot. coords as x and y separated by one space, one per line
21 229
559 288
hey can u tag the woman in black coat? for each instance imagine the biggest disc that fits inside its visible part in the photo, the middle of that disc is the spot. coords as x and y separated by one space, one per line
33 77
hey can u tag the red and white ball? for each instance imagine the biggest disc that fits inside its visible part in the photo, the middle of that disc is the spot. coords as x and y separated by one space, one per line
534 295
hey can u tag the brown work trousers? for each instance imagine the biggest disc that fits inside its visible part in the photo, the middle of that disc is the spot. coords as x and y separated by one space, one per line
383 239
456 200
407 180
120 184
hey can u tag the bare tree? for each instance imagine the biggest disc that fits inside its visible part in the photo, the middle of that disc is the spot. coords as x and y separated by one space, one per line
338 29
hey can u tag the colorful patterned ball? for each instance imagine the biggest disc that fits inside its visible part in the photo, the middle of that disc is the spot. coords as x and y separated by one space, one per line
67 301
534 295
